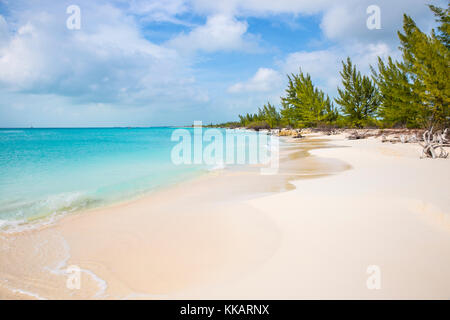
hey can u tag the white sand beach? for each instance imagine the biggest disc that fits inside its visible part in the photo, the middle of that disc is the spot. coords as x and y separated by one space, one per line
335 208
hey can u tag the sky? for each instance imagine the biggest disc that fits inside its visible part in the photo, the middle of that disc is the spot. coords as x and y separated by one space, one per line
171 62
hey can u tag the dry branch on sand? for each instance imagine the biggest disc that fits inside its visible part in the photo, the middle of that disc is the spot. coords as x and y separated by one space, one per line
403 138
433 144
356 135
330 132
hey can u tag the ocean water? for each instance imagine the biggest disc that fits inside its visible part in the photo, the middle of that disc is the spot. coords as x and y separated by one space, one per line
48 172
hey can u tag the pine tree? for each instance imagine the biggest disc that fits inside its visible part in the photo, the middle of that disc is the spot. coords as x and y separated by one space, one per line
443 18
359 97
288 111
269 114
272 116
330 112
399 103
426 61
304 104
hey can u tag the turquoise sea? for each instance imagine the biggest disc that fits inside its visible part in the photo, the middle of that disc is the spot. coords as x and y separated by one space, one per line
49 171
46 172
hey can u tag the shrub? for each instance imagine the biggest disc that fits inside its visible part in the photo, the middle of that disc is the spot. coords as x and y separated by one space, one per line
258 125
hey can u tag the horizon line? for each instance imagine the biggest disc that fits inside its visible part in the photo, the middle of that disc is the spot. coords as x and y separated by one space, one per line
108 127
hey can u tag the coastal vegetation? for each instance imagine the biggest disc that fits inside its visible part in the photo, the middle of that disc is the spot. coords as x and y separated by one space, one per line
410 93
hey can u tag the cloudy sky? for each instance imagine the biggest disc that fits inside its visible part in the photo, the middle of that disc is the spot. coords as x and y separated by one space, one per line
170 62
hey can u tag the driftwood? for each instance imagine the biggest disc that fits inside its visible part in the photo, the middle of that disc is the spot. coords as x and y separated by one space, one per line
355 135
402 138
433 144
331 132
394 139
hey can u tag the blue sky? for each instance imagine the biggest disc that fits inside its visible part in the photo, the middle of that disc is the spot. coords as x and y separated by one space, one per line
170 62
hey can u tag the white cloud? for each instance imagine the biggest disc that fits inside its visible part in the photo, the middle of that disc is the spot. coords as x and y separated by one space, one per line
108 60
41 55
158 10
341 20
263 81
260 7
3 31
337 21
346 21
220 32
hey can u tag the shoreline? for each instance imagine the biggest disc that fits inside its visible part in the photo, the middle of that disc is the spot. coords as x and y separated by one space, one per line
48 220
209 243
225 192
51 219
42 220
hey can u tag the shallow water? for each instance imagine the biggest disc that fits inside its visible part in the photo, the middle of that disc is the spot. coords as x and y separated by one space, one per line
47 172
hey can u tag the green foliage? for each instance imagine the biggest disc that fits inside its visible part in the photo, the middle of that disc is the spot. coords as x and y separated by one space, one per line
426 61
305 105
258 125
399 103
443 18
359 97
270 115
267 114
244 120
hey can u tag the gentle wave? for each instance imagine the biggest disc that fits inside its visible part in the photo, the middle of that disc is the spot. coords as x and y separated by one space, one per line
42 212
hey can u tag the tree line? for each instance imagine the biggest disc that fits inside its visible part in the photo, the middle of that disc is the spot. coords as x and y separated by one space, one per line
410 93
